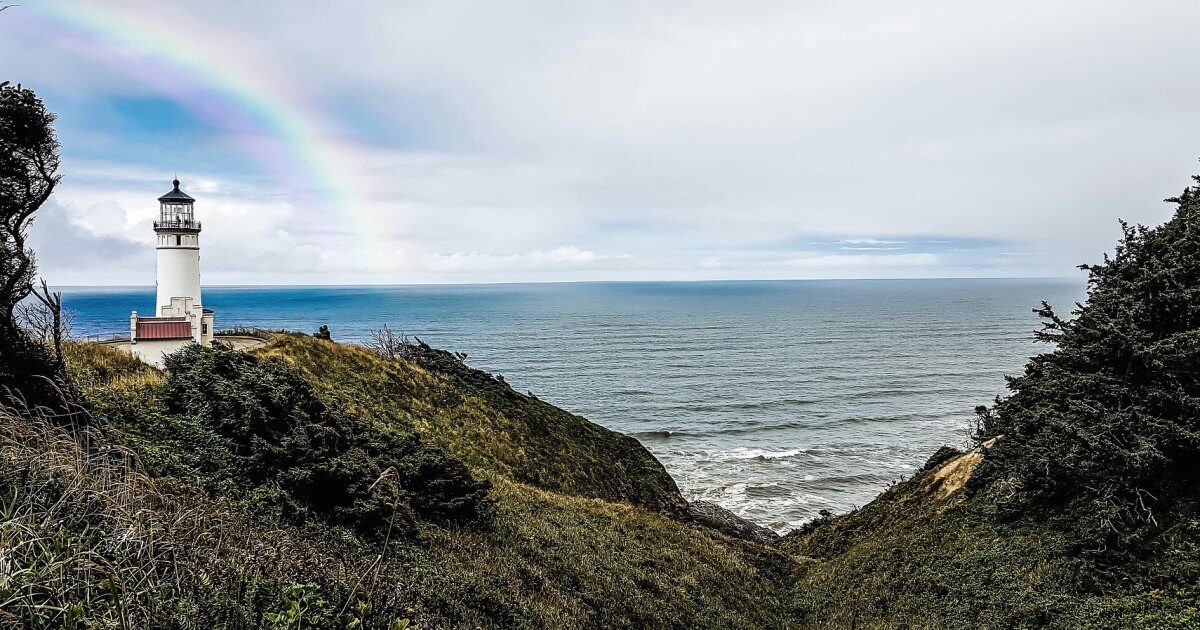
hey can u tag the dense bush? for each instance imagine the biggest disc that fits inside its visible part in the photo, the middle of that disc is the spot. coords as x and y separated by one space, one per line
1105 430
257 432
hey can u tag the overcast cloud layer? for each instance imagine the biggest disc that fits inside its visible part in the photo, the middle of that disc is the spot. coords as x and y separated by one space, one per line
509 141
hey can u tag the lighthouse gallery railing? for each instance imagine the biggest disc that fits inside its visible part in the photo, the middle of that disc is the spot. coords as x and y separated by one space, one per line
180 224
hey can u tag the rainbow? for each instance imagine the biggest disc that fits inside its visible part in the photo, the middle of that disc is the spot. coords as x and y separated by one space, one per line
237 94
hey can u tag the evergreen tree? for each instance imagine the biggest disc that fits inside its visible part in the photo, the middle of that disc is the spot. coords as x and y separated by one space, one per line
28 175
1104 432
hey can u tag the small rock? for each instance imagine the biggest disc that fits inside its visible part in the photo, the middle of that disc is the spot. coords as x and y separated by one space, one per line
727 522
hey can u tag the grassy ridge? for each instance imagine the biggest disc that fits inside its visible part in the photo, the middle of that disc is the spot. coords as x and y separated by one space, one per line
546 559
927 553
567 551
482 421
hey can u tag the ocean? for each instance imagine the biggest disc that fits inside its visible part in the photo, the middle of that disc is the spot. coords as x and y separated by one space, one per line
773 399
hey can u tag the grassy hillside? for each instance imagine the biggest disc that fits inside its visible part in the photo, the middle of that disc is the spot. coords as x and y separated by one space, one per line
225 551
105 540
927 553
482 421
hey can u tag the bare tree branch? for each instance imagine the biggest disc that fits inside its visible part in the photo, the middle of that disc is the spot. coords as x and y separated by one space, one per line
390 344
46 320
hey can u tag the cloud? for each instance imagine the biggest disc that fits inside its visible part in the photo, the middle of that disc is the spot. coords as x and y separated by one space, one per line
700 139
848 262
556 259
69 252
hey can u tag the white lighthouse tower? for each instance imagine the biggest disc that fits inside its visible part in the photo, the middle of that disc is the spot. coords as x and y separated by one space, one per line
179 315
178 234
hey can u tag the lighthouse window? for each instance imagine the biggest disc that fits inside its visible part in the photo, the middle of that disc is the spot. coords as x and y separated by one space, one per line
178 240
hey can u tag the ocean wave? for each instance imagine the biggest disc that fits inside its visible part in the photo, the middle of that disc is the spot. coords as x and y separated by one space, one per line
634 392
753 426
761 454
661 434
900 392
780 513
757 405
810 421
906 417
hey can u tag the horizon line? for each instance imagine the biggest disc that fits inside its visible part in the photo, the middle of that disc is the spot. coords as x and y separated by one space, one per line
528 282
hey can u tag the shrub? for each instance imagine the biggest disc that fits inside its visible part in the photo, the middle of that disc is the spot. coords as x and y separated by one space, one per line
1105 430
390 344
940 456
261 434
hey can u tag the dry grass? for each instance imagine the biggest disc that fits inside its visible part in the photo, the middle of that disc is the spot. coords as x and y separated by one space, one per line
551 560
555 561
245 331
82 532
93 366
89 540
951 477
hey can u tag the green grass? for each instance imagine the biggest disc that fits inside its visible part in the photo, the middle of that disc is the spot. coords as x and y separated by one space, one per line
482 421
916 558
551 557
556 561
585 531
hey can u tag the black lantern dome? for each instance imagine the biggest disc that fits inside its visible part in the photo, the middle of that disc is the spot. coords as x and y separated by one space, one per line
175 212
176 195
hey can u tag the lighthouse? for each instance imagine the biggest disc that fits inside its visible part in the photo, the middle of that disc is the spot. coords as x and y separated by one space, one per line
178 234
179 314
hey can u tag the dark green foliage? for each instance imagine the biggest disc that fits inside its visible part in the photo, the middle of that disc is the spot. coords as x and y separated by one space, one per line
28 175
941 456
254 430
1106 428
30 376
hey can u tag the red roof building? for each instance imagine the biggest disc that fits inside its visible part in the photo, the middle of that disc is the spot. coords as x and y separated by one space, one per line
163 328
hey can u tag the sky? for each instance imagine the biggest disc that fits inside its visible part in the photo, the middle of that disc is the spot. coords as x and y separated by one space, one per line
395 142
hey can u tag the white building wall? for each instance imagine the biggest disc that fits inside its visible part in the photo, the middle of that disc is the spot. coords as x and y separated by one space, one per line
207 332
152 351
178 269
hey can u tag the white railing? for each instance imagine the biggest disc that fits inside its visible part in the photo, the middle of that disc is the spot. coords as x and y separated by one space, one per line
109 336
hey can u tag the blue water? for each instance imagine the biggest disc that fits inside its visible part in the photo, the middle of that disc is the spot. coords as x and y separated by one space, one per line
774 399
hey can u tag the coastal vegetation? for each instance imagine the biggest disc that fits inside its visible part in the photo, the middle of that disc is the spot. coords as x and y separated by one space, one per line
482 421
234 541
28 176
315 484
1079 506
